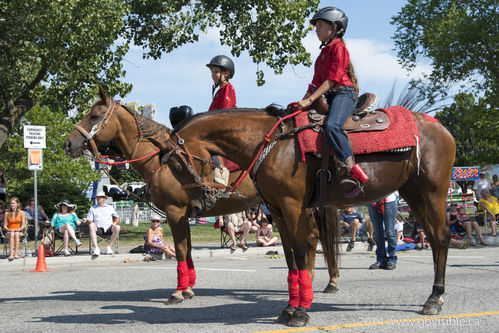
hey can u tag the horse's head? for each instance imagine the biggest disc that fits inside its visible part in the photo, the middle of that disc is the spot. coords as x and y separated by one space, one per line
94 129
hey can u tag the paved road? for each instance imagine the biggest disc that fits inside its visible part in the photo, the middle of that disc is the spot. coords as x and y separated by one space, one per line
244 292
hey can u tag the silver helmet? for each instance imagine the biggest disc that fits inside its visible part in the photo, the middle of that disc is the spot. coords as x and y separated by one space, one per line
333 15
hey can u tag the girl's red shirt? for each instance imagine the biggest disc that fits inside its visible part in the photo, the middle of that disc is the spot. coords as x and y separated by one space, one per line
332 64
225 98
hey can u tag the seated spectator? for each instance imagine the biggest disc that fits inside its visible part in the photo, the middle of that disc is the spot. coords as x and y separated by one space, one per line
65 221
2 214
468 225
235 223
419 236
350 220
399 229
255 217
30 211
154 239
491 207
494 187
102 219
14 223
264 234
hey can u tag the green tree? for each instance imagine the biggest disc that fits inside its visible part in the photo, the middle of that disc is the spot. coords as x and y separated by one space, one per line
61 177
474 125
458 37
55 52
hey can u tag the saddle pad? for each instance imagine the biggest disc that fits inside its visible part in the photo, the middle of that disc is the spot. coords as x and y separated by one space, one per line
230 165
401 133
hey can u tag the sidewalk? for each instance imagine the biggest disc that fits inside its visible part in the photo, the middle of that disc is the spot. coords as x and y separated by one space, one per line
198 251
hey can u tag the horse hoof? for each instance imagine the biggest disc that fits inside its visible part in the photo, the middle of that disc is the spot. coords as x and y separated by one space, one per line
175 298
286 314
331 289
431 307
299 318
188 294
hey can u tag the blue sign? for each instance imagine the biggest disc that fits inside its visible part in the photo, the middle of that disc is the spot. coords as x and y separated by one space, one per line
465 173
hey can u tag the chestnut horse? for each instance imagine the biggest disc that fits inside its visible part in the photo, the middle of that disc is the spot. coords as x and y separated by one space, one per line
134 134
287 185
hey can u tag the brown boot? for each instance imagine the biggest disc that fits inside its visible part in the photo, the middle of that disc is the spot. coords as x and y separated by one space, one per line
351 178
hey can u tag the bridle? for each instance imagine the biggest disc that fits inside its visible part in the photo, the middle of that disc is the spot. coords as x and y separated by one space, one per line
89 136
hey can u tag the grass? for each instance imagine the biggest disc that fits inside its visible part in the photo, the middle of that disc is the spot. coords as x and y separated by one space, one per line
131 236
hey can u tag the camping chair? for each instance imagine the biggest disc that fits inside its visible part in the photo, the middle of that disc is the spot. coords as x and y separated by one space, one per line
104 238
24 240
60 236
225 237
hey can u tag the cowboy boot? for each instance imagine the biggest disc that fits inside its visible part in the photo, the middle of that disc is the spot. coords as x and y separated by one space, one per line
351 177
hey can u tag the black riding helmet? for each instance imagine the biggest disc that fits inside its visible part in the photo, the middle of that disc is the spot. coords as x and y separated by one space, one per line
179 113
223 62
333 15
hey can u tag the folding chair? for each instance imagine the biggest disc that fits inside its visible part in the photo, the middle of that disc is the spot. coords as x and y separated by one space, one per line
60 236
104 238
225 240
24 239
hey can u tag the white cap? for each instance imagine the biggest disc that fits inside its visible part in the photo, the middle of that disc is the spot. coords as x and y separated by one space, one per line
101 194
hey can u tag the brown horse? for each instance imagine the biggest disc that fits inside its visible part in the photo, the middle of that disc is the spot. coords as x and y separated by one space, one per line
108 121
287 186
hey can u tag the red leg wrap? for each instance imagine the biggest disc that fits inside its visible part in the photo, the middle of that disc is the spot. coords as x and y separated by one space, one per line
293 288
192 273
182 276
306 291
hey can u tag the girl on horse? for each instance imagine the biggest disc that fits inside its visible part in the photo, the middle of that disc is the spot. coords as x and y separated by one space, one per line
334 78
222 69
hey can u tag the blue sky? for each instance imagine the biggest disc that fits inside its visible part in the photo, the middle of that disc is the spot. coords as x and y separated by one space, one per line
181 77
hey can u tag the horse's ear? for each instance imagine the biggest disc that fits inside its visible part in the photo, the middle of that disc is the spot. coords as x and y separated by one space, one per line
102 95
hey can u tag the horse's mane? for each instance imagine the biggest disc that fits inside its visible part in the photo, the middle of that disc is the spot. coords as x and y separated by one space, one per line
147 126
273 110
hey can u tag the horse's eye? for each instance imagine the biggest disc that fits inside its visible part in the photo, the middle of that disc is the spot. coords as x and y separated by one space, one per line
94 117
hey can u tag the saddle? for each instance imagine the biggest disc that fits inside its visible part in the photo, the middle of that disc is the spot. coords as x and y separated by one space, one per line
363 119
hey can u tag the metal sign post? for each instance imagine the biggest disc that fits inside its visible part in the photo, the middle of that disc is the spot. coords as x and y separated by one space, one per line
34 140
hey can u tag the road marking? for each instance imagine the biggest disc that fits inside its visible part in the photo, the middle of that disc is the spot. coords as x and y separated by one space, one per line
175 267
432 319
236 258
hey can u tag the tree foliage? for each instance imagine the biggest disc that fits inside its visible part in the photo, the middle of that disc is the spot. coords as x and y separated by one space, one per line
61 177
55 52
474 125
458 37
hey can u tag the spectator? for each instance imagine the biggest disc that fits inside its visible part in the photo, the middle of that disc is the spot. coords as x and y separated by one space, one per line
3 183
235 223
103 220
489 204
350 220
264 234
384 213
65 221
155 241
480 185
419 236
14 223
135 214
399 229
2 214
30 211
468 225
494 187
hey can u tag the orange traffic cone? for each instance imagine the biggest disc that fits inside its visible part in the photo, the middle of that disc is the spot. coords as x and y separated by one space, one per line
41 266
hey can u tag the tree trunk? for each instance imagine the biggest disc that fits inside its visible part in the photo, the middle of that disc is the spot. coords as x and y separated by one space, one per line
14 111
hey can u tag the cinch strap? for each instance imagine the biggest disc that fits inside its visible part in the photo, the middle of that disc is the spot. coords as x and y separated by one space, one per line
294 289
182 276
192 273
306 291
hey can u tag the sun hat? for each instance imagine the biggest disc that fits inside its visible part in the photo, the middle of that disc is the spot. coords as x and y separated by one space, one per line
101 194
155 218
67 203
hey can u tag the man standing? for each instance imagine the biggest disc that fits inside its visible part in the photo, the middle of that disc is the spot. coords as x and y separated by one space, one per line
480 185
384 213
103 220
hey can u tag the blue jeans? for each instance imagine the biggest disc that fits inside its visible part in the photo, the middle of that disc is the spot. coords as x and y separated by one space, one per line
341 105
388 219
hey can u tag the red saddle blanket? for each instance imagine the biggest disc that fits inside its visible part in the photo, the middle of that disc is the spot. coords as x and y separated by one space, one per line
230 165
401 133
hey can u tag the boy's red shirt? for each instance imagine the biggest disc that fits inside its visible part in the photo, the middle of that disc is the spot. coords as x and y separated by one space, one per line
332 64
225 98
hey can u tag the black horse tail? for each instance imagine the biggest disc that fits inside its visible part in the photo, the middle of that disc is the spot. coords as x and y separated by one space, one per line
329 235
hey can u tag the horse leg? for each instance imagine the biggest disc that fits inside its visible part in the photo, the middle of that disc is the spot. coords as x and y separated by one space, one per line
430 210
293 288
179 226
